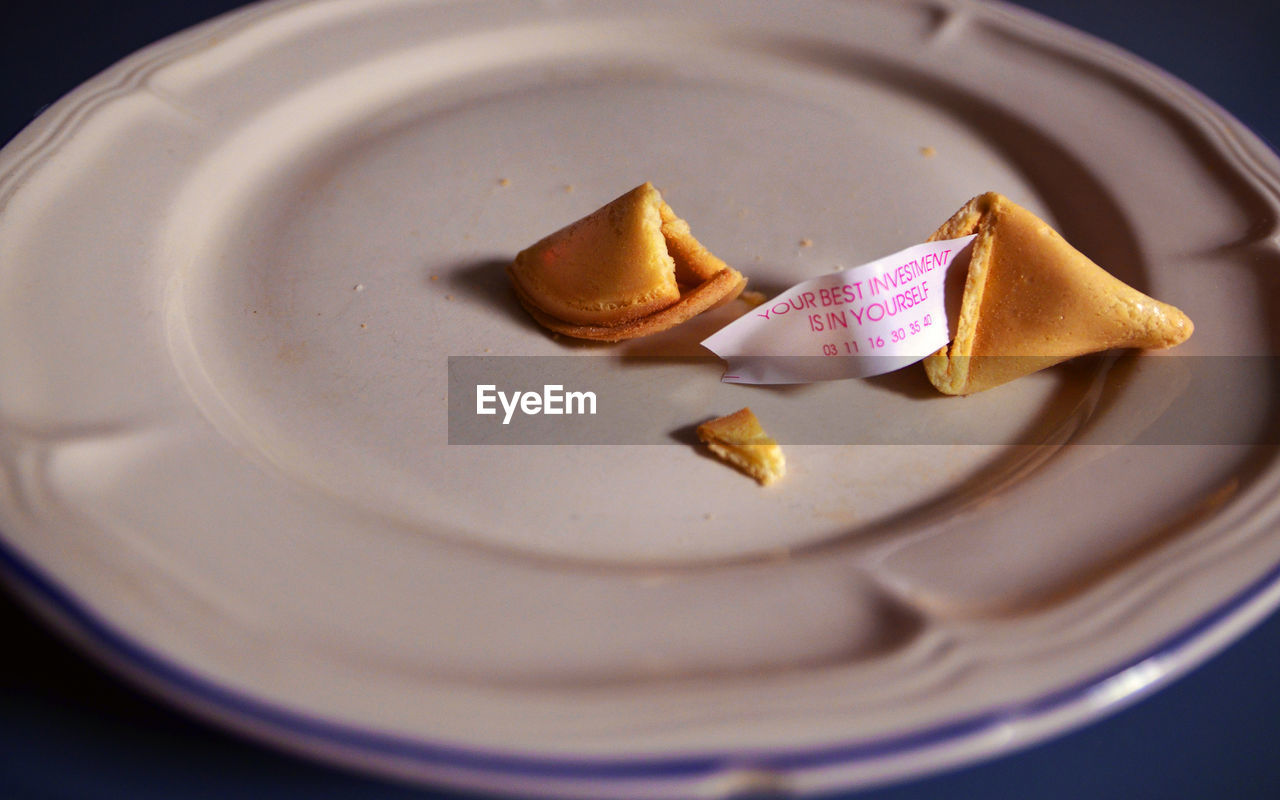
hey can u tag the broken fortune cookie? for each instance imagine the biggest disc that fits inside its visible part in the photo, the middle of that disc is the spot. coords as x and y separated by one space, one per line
1031 300
629 269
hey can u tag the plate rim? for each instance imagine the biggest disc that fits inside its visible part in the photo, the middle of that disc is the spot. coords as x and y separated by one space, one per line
296 730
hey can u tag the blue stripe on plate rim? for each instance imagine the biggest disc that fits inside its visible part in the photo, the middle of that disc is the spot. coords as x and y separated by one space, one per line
49 597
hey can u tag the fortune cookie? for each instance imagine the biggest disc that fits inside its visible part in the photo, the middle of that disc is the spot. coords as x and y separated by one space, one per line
629 269
1032 300
740 440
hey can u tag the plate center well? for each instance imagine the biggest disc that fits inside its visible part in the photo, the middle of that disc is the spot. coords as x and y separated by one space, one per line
325 307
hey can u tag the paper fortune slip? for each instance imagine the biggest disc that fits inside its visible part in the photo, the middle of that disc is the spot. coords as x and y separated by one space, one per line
855 323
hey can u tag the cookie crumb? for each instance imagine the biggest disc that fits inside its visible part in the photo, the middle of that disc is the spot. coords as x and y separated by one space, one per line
928 152
504 182
740 441
806 243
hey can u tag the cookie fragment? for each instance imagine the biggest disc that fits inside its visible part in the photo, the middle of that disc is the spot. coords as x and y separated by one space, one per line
740 440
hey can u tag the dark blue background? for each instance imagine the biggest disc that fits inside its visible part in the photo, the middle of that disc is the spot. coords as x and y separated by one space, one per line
67 730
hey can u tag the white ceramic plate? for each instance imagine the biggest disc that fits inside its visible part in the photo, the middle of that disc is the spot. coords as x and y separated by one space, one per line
234 267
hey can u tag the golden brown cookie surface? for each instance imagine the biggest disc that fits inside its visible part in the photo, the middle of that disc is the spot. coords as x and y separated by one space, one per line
740 440
1032 300
628 269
